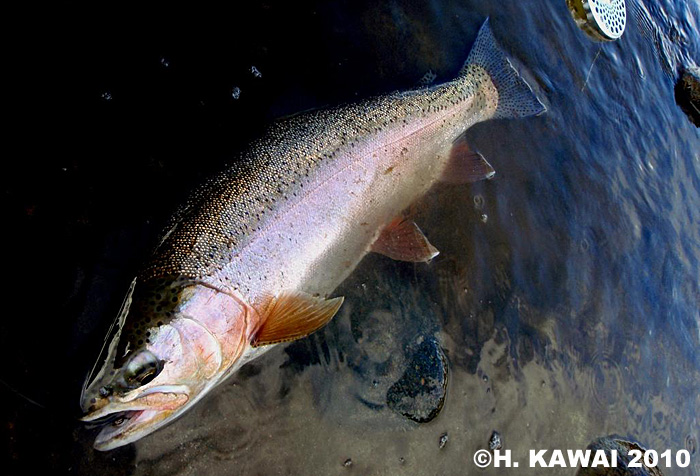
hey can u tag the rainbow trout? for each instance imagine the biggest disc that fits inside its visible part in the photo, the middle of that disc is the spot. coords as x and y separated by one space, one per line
252 258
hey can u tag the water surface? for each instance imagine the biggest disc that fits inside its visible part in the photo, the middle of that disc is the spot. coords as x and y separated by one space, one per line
565 297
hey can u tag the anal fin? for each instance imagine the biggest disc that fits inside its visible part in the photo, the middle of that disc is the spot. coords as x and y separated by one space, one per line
291 316
402 240
466 165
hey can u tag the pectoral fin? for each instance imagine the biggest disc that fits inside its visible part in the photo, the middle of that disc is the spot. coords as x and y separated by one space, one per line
466 165
402 240
292 316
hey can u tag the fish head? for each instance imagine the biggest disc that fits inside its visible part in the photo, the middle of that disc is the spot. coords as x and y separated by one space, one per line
157 361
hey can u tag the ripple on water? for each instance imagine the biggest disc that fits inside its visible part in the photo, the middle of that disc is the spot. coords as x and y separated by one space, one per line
605 382
638 392
479 202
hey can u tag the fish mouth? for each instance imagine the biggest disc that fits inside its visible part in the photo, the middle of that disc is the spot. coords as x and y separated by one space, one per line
124 428
116 419
125 422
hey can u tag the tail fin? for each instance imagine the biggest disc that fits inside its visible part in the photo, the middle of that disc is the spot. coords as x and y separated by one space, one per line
515 97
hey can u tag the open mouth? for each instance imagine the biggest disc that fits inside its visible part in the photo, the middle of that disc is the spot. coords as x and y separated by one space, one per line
122 422
115 419
165 398
122 428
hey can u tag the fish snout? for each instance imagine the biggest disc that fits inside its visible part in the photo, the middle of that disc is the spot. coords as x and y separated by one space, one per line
94 404
156 399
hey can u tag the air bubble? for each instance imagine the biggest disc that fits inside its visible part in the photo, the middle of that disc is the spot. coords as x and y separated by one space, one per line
585 245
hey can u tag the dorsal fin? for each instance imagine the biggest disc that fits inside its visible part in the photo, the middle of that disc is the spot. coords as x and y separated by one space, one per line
291 316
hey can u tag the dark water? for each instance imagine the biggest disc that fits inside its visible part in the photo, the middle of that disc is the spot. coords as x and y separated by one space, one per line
565 298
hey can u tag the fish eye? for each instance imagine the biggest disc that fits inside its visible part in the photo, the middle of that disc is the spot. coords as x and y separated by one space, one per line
141 369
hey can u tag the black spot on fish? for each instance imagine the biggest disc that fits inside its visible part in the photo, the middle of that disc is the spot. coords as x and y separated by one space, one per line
145 310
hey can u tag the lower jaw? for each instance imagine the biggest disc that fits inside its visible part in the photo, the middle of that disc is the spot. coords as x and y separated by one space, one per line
111 428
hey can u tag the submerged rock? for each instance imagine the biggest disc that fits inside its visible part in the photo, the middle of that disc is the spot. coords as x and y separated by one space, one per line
688 94
443 440
495 442
420 393
622 447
